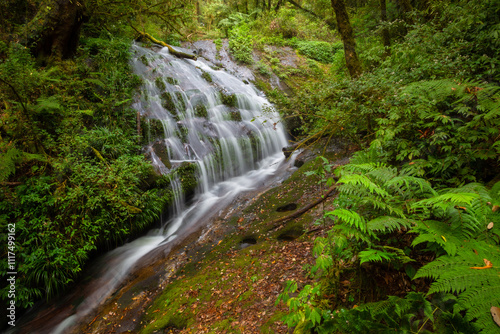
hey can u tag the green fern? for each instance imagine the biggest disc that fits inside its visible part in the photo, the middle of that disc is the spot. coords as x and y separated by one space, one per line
462 216
389 224
8 162
477 289
393 315
350 218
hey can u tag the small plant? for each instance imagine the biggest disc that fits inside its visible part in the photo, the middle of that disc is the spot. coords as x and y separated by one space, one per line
206 76
263 68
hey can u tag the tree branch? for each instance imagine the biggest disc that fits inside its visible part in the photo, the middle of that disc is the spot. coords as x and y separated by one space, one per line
280 221
332 26
17 95
170 49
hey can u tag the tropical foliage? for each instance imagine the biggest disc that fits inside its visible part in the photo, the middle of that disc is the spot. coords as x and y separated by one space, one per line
419 200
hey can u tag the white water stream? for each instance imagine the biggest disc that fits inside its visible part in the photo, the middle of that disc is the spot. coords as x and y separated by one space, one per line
236 149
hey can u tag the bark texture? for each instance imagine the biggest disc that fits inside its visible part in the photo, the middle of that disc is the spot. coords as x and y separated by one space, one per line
54 32
347 35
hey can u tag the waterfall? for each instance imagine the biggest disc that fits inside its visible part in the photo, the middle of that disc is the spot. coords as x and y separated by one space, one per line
208 118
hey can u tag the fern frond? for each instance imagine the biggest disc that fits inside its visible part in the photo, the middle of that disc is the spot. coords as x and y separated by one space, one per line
375 255
444 201
408 184
350 217
383 174
387 224
8 162
385 253
352 232
362 167
386 206
495 193
363 180
477 289
432 231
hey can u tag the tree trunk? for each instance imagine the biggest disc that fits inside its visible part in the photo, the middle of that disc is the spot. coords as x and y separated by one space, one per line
386 39
278 5
405 8
54 32
347 35
198 11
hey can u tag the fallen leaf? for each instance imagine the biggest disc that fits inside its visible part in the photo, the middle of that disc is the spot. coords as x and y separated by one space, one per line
495 312
490 226
487 263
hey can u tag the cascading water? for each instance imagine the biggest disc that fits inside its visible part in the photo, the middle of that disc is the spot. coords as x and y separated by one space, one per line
211 119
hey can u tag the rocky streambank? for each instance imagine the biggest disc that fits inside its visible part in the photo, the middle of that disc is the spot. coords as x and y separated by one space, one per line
226 276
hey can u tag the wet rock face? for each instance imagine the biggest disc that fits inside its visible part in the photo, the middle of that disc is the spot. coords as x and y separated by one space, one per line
160 150
220 58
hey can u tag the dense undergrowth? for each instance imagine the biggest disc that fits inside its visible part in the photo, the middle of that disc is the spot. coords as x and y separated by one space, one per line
73 178
426 115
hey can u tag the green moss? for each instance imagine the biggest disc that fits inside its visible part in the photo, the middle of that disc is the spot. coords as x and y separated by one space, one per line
235 115
172 81
266 328
167 101
206 76
181 105
201 111
160 84
187 175
291 231
144 60
228 99
151 129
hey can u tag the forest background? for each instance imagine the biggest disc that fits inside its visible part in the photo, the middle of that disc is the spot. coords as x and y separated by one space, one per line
413 84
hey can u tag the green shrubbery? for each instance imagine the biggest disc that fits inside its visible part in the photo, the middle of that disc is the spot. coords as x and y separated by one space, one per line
428 115
317 50
70 146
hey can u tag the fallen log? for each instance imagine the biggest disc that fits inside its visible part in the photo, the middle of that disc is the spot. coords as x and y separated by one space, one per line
278 222
162 43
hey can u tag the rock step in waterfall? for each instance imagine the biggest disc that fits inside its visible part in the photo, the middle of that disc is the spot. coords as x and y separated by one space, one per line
208 117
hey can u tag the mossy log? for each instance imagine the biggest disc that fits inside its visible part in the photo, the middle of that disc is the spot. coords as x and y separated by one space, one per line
170 49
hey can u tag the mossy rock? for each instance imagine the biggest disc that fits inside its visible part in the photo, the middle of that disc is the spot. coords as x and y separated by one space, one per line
144 60
172 81
290 232
151 129
160 84
167 102
228 99
206 76
235 115
201 111
180 104
162 152
187 175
